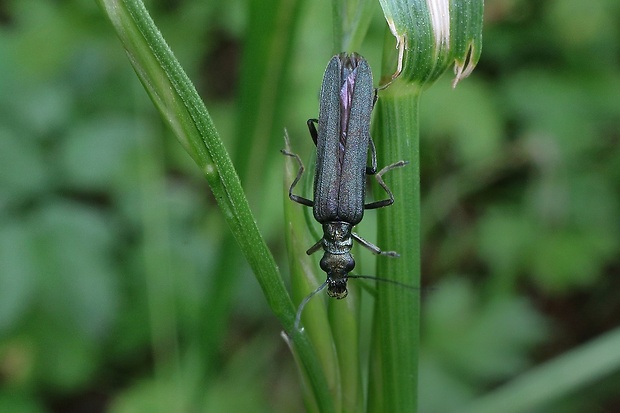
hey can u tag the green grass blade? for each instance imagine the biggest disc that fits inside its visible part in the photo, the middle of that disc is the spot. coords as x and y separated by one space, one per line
397 309
430 36
304 280
557 378
182 109
344 319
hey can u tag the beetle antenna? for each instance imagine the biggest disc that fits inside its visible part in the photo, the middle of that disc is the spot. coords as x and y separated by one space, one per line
386 280
305 301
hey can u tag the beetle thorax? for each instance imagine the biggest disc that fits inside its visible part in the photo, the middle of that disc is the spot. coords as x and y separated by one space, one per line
337 237
337 260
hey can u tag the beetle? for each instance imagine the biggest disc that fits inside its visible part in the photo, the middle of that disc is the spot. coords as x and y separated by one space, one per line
342 142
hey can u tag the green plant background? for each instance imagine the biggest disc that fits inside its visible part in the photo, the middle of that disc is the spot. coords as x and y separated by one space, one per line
113 254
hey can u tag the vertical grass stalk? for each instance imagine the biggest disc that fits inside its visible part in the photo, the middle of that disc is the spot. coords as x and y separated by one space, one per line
397 310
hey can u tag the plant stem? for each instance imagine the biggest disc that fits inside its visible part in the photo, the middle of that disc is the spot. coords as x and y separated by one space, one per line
183 110
397 309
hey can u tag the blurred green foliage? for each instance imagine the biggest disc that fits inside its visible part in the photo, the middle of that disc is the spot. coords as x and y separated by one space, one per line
111 247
